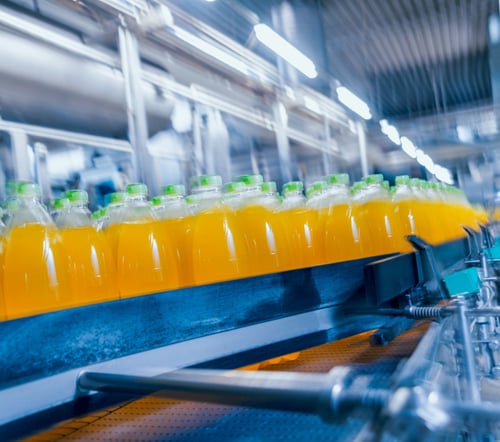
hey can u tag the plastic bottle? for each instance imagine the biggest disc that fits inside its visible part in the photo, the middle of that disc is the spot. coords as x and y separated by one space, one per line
112 219
317 201
218 249
442 211
262 228
146 263
176 219
40 283
298 221
59 206
342 236
377 216
3 314
90 261
412 211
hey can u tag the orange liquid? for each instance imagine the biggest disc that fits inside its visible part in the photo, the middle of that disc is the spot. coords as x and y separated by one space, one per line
450 218
145 263
414 220
266 242
342 241
178 236
298 225
91 266
35 277
3 313
379 222
218 250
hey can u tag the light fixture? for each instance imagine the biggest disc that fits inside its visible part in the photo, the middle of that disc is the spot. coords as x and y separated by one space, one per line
312 105
353 102
211 50
443 174
285 50
408 147
391 131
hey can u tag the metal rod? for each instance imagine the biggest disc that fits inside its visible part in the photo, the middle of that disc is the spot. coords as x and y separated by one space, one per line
136 111
282 391
327 395
472 392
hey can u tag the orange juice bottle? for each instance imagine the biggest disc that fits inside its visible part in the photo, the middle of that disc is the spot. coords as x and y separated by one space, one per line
40 283
146 263
317 201
360 227
59 207
377 216
298 221
412 213
448 213
261 226
112 218
176 219
429 206
3 314
91 267
218 249
342 235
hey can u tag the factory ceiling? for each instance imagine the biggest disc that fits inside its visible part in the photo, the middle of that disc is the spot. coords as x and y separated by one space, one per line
407 58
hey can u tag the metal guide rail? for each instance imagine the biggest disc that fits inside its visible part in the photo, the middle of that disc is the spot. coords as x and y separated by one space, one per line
225 324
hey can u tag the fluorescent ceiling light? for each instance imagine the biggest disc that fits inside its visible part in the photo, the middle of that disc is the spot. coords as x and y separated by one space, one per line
312 104
408 147
285 50
391 131
465 134
353 102
443 174
211 50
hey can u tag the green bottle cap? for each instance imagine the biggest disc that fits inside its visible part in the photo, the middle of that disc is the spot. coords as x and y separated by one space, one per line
98 214
402 179
357 186
118 197
206 181
269 187
28 189
338 178
316 188
158 200
61 203
234 187
174 190
251 180
137 189
415 182
77 196
292 186
377 178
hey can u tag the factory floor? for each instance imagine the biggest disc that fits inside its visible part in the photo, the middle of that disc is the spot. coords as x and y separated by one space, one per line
153 418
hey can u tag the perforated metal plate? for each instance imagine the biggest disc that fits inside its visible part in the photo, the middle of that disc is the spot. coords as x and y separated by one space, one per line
154 418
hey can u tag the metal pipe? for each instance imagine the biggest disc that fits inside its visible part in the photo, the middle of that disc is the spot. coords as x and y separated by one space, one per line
471 388
328 395
282 391
136 110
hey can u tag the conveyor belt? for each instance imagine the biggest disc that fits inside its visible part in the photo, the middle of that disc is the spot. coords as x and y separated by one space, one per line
154 418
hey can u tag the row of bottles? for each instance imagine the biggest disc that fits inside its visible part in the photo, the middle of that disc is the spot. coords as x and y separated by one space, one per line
217 233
